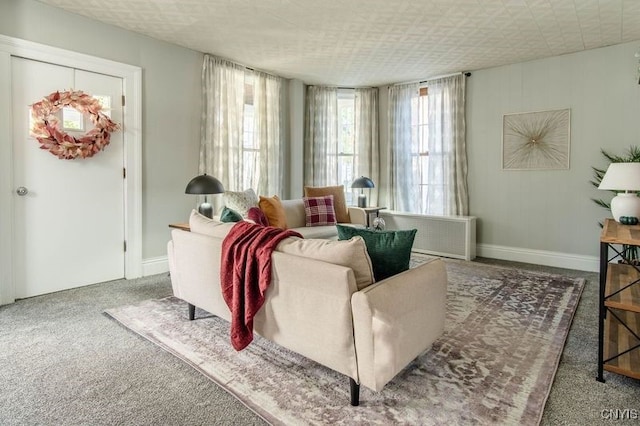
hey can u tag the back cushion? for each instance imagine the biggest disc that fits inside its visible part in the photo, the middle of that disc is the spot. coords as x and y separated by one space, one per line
203 225
294 212
273 211
339 201
350 253
241 202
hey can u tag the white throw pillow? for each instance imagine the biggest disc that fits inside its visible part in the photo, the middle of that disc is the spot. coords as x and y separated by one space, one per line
203 225
241 202
350 253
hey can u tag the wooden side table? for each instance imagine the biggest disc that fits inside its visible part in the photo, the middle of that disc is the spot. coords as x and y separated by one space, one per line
619 322
183 226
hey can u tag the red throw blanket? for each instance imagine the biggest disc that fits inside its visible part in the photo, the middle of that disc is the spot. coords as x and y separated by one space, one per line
245 274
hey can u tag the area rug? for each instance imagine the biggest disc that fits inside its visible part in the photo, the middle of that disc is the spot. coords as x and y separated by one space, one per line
495 364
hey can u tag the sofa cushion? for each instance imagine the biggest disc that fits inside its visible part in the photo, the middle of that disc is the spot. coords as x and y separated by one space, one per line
319 211
203 225
351 253
339 201
390 251
229 215
294 212
241 202
274 212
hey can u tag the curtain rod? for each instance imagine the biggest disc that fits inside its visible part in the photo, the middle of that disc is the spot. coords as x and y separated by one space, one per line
342 87
467 74
245 66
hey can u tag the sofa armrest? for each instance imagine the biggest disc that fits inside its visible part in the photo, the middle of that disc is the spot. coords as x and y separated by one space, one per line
396 320
194 264
357 215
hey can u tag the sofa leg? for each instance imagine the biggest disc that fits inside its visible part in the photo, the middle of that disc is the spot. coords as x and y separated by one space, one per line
355 392
192 312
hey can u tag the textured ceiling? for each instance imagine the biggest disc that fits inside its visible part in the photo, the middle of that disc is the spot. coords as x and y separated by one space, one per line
373 42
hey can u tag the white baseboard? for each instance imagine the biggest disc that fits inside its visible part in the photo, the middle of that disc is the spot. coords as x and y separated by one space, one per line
540 257
155 265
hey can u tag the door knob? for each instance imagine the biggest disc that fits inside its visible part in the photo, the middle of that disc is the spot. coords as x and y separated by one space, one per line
22 191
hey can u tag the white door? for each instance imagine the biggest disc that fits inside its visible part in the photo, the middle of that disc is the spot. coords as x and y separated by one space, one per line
69 226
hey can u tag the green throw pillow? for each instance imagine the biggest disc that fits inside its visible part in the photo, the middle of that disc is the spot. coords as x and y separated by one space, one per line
229 215
390 251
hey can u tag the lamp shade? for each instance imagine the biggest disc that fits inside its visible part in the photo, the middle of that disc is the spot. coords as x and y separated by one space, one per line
204 184
363 182
621 177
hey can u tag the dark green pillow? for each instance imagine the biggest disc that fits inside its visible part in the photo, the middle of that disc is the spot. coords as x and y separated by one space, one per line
229 215
390 251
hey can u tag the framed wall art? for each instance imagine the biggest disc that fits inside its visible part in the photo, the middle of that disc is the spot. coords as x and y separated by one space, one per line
536 140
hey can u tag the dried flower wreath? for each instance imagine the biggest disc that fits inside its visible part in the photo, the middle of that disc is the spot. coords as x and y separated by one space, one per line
62 145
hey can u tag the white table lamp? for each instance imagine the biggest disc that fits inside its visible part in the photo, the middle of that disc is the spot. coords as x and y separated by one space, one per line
623 177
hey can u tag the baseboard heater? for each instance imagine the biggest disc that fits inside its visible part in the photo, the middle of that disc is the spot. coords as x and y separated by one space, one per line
448 236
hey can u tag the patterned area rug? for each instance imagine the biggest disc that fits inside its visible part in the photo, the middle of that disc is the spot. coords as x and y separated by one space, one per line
495 364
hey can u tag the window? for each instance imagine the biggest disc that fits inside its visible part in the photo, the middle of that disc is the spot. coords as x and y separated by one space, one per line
420 147
250 142
341 140
73 120
242 127
346 149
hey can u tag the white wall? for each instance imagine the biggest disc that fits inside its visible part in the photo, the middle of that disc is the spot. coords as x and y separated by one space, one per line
171 103
549 211
545 217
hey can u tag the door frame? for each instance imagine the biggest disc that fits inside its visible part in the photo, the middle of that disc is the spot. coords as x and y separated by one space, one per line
132 137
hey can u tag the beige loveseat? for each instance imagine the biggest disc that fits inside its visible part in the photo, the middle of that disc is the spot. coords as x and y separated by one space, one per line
321 302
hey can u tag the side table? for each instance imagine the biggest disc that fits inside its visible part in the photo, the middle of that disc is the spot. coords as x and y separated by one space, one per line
183 226
619 307
368 211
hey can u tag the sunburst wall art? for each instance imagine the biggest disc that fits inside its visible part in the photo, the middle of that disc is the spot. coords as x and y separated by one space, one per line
536 140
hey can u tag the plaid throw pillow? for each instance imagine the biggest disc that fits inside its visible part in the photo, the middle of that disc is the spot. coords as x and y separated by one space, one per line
319 211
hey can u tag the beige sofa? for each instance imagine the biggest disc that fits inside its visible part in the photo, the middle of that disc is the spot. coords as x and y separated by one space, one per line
326 310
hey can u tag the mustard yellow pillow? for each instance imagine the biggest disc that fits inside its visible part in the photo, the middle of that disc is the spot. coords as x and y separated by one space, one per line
339 201
273 210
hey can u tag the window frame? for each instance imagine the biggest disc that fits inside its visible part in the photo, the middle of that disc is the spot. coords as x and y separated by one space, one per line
342 156
250 144
420 157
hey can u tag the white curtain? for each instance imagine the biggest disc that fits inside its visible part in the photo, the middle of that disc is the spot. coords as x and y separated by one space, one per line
446 185
402 183
267 129
367 139
222 121
447 194
226 132
321 135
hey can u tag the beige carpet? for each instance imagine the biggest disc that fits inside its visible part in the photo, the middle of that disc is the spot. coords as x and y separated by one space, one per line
495 364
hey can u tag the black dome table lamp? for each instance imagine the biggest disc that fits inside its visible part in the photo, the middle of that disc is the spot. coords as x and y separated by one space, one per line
204 185
362 183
